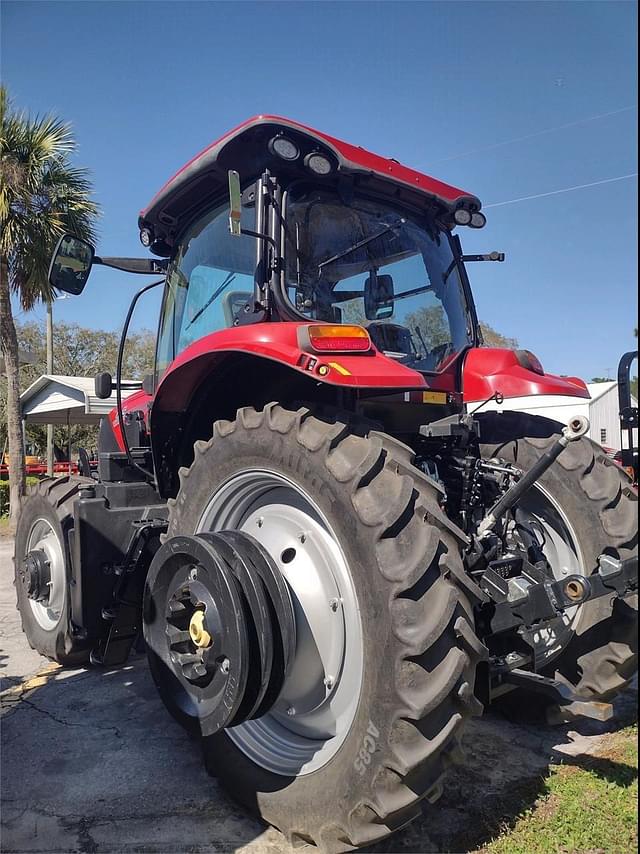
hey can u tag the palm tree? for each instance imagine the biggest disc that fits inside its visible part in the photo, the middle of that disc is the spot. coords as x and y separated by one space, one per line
41 196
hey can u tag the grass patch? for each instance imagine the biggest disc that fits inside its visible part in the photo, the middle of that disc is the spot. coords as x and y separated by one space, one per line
587 807
5 529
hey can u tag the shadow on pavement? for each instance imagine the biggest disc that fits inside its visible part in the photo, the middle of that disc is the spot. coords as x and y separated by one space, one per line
92 762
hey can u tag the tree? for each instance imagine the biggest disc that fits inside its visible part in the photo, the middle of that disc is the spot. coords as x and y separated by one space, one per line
80 352
42 195
492 338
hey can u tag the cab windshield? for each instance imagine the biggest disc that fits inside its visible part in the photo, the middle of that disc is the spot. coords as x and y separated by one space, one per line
364 262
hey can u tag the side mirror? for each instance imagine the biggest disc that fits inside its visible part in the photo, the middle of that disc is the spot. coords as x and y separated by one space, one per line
235 203
378 297
103 385
71 264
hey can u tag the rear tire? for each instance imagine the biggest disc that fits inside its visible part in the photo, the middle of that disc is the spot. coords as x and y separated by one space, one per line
46 518
598 500
419 648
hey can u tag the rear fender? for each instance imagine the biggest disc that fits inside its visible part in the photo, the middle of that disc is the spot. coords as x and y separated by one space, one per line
488 370
252 365
279 342
213 385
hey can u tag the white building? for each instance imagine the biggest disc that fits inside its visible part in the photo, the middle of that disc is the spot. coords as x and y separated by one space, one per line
602 410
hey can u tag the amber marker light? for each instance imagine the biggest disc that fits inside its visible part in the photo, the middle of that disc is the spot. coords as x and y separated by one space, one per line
335 338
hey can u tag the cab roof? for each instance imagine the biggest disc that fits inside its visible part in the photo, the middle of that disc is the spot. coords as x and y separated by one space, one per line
246 149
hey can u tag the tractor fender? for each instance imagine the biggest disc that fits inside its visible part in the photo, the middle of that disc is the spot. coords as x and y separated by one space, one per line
250 366
279 342
487 370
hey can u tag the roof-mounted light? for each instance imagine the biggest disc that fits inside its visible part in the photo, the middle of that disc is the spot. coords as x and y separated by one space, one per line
146 237
478 220
318 163
462 216
334 338
284 148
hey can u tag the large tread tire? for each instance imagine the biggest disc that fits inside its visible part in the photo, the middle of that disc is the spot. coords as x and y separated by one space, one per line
420 647
52 499
600 502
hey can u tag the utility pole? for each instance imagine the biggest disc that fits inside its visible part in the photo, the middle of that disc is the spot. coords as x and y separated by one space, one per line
50 371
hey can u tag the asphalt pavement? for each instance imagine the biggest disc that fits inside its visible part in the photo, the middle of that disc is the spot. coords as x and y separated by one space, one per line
92 762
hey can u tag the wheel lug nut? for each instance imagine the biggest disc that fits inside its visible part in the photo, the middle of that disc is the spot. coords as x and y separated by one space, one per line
193 574
291 711
260 522
302 537
225 665
328 682
333 604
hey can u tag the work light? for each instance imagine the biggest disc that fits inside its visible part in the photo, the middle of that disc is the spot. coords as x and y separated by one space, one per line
284 148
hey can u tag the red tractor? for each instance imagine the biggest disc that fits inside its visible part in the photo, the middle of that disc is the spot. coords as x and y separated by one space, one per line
334 563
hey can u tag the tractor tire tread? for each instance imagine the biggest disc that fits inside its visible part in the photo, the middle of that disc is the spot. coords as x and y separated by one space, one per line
416 548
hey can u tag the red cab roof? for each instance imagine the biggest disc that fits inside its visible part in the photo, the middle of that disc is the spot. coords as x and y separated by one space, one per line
245 149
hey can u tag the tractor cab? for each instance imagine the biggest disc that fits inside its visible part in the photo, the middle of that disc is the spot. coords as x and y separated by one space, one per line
326 235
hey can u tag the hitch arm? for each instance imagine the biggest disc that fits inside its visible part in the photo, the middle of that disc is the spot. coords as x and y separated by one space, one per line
558 692
575 429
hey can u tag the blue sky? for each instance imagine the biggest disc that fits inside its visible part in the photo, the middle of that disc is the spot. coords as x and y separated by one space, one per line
436 85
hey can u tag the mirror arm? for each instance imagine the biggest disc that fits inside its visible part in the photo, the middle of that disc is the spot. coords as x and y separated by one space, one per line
257 234
489 256
144 266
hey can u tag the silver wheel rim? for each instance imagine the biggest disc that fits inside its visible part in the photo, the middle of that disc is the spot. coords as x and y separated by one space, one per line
315 710
562 550
43 537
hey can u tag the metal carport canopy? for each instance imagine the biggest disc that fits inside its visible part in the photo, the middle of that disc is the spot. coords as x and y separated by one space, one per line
55 399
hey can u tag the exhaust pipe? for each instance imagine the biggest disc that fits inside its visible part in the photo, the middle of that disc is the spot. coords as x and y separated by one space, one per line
577 427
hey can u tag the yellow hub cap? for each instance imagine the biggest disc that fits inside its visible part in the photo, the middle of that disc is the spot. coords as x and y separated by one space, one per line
199 635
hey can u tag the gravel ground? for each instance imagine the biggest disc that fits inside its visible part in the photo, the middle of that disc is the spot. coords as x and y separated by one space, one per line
92 762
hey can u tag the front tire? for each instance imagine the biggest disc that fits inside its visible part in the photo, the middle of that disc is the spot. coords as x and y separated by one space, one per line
597 500
417 647
46 518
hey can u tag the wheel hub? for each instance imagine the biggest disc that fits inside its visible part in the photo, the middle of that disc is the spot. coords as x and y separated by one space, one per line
35 574
43 571
219 618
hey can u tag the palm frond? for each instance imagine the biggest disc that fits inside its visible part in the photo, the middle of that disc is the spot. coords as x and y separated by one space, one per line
42 195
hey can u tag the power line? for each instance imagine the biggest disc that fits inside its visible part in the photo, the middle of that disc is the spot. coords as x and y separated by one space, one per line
563 190
535 134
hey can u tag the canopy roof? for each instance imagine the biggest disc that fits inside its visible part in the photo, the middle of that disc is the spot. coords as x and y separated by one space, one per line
55 399
246 149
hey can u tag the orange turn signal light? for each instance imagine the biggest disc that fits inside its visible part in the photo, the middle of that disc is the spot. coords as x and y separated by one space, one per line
338 338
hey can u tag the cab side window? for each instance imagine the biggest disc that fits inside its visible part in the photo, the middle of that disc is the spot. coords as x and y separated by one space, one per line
209 281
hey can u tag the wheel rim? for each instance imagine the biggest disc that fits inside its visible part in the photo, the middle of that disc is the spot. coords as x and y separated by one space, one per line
43 537
562 551
316 707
